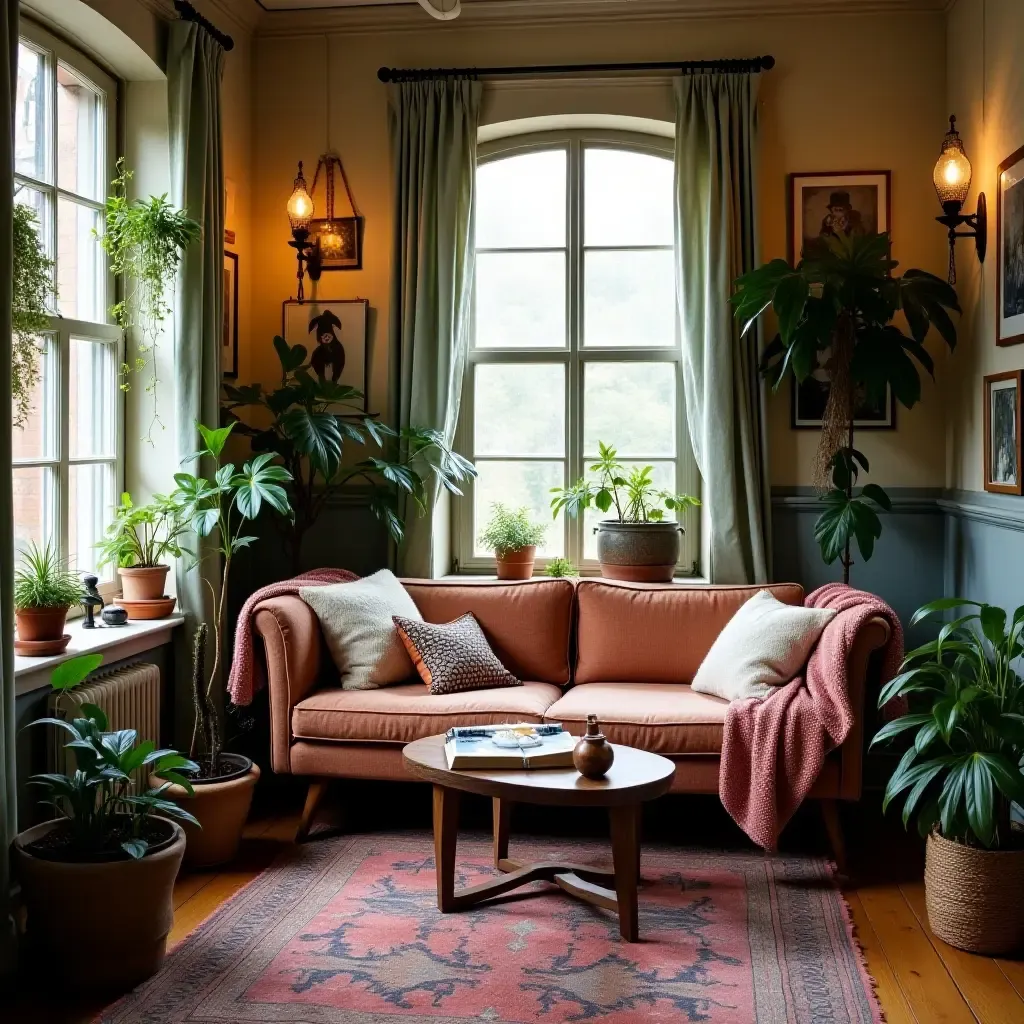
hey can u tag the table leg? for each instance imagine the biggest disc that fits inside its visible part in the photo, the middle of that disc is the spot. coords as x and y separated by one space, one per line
502 812
446 833
626 857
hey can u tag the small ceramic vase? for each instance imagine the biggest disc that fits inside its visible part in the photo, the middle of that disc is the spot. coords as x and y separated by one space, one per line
593 755
114 615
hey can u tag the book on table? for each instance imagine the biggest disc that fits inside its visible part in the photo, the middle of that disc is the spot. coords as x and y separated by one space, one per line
516 746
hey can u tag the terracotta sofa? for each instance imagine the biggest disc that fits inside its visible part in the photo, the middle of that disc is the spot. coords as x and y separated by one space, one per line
625 651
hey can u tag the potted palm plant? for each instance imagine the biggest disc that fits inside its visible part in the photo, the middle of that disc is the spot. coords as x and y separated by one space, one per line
44 590
513 537
963 770
639 544
100 875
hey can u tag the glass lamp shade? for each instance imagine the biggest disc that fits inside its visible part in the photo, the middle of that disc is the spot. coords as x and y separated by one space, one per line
952 173
330 241
300 205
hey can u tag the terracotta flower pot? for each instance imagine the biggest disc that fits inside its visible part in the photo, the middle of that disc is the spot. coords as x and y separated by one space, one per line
641 552
40 623
516 565
222 807
119 909
143 582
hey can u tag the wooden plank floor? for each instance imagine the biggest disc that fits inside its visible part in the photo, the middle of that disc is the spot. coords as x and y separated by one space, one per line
920 980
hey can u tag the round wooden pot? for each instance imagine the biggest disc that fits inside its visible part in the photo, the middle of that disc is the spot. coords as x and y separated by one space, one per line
121 910
975 897
36 624
516 565
222 808
143 583
641 552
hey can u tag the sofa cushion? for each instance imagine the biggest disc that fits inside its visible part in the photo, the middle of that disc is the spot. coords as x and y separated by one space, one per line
655 632
407 712
526 623
664 718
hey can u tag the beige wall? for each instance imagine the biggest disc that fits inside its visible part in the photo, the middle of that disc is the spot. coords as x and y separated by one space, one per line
848 92
986 91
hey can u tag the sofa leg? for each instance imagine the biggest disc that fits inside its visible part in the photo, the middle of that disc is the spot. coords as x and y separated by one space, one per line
314 798
834 829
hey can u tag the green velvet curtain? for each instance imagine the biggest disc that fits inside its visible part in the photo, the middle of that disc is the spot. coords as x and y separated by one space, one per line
8 807
195 67
716 241
433 141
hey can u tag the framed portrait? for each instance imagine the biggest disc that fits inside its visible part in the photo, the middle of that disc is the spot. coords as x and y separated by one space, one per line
811 396
836 203
334 333
1010 251
341 248
229 331
1002 432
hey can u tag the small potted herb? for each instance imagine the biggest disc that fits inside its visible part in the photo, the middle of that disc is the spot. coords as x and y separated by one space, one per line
513 537
561 567
44 590
639 543
100 875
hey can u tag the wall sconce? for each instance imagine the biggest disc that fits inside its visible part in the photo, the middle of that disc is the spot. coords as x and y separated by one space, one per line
300 213
952 179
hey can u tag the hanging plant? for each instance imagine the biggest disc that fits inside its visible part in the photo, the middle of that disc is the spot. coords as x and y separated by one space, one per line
30 314
145 240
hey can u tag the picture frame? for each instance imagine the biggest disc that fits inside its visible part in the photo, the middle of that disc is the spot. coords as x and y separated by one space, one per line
1002 402
836 201
1010 250
343 325
350 229
229 330
809 398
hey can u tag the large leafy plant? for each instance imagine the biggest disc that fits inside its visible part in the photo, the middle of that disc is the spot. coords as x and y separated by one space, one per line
305 422
143 535
838 304
963 767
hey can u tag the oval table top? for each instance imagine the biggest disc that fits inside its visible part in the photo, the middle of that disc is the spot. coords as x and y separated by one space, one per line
635 776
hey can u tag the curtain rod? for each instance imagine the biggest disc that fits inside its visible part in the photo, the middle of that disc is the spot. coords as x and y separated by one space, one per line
188 13
752 64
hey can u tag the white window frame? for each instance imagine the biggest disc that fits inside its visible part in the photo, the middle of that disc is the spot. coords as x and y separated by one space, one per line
63 329
573 357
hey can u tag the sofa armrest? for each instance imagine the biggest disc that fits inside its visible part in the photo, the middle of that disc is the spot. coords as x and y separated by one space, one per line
872 636
291 638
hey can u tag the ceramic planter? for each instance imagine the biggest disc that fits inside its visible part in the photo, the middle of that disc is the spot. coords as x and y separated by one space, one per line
143 583
104 925
641 552
516 565
36 624
221 807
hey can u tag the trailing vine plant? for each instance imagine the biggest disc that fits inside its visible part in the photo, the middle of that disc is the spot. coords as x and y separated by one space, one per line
32 273
145 240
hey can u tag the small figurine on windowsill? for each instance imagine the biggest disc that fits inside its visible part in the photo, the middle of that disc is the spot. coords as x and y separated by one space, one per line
91 600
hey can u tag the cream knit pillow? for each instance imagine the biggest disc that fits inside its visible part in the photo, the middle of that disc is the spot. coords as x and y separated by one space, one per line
764 645
360 633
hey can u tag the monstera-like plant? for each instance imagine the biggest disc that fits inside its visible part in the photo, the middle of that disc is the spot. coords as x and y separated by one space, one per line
838 304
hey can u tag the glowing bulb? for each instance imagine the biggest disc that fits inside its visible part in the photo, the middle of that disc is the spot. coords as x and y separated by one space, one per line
300 205
952 174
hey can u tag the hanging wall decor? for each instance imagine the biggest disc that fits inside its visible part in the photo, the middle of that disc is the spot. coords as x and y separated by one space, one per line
1010 250
340 239
334 334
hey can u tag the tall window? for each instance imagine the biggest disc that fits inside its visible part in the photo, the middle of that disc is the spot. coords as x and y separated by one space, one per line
67 458
575 336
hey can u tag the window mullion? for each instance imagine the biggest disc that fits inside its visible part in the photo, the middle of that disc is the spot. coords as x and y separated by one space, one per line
63 510
574 420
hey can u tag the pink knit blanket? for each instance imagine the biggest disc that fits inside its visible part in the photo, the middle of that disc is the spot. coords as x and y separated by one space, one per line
774 749
246 676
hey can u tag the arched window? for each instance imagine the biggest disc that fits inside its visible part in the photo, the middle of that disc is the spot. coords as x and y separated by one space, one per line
575 337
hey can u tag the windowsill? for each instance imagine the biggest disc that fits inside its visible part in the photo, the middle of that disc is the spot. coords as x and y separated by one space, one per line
474 577
115 643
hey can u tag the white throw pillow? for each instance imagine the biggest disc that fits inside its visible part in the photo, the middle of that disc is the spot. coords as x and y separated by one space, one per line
356 619
764 645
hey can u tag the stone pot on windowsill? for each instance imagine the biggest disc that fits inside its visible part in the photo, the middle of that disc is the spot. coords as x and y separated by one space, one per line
639 552
143 582
517 564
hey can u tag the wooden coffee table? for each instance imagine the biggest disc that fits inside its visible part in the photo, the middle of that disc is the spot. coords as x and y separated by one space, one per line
635 776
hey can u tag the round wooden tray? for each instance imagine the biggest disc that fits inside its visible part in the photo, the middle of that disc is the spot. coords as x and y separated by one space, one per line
41 648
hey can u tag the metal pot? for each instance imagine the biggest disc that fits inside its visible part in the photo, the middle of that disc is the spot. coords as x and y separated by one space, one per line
641 552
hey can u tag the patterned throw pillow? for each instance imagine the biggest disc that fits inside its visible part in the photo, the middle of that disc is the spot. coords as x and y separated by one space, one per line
453 657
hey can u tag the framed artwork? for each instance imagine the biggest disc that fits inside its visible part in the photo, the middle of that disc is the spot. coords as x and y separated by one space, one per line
811 396
836 203
342 249
1002 432
229 212
229 331
334 333
1010 251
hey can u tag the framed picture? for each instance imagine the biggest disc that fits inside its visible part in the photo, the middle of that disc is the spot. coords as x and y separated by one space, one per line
345 251
810 398
836 203
1002 432
229 332
334 332
1010 251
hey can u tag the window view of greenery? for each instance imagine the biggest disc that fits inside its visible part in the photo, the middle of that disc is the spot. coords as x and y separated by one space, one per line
574 330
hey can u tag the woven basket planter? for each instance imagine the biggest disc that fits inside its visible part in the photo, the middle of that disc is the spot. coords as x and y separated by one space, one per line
975 897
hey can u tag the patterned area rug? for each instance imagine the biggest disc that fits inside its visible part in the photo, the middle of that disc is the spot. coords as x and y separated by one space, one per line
346 931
